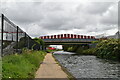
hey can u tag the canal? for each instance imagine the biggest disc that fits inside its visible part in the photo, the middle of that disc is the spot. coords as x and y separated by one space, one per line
81 66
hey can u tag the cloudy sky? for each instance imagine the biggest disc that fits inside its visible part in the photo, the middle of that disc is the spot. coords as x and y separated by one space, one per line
44 17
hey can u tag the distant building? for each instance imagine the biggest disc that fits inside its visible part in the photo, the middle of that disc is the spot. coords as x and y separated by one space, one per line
116 36
102 36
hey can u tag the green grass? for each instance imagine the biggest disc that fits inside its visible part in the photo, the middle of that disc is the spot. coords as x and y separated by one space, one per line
22 65
0 68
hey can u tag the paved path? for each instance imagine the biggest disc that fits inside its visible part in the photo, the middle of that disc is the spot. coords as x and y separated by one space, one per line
50 69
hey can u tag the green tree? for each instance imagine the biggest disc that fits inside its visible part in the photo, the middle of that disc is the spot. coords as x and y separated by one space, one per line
108 49
40 42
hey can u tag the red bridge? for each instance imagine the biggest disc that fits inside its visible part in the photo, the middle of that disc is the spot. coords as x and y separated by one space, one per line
67 36
67 39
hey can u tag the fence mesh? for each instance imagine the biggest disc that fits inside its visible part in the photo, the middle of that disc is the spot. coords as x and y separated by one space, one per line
13 39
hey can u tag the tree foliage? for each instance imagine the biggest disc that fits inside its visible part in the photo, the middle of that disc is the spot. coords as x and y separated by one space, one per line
39 41
109 49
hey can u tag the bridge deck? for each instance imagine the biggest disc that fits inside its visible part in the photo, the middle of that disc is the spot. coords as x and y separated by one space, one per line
68 41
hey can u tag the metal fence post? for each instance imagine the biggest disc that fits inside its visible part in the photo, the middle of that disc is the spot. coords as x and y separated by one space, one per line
2 26
17 39
28 42
25 34
12 36
25 40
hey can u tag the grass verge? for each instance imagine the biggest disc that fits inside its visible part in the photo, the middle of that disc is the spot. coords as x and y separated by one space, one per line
22 65
0 68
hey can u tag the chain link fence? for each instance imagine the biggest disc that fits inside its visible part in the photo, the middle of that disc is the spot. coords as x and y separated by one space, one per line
13 39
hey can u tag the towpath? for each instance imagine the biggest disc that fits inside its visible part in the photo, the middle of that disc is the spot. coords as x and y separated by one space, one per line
50 69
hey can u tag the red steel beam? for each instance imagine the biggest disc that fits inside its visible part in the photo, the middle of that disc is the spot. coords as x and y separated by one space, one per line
92 37
65 36
88 37
68 36
75 36
54 36
71 36
84 37
41 37
79 37
61 36
47 37
58 36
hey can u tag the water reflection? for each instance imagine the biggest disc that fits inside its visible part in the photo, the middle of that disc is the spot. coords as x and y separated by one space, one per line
88 66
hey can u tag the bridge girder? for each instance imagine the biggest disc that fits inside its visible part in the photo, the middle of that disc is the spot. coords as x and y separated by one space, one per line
66 43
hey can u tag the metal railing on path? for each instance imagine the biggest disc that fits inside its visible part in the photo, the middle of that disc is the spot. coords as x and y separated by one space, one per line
13 38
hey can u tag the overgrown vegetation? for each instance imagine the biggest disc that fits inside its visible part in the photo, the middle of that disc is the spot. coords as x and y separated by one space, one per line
107 49
75 48
90 51
22 65
23 42
40 42
35 44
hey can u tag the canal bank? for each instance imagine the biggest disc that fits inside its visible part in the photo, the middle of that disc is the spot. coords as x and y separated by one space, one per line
89 66
70 76
50 69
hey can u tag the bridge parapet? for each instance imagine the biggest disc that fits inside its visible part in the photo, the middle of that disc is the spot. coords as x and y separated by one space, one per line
67 39
67 36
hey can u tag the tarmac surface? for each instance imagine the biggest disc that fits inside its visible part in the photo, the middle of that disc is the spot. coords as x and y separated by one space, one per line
50 69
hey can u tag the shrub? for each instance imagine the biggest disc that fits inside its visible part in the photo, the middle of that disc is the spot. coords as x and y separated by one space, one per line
70 49
108 49
79 50
89 51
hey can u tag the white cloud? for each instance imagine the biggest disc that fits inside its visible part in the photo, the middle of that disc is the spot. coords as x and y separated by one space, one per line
46 18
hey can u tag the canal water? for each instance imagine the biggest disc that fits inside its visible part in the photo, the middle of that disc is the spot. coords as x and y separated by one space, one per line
88 66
